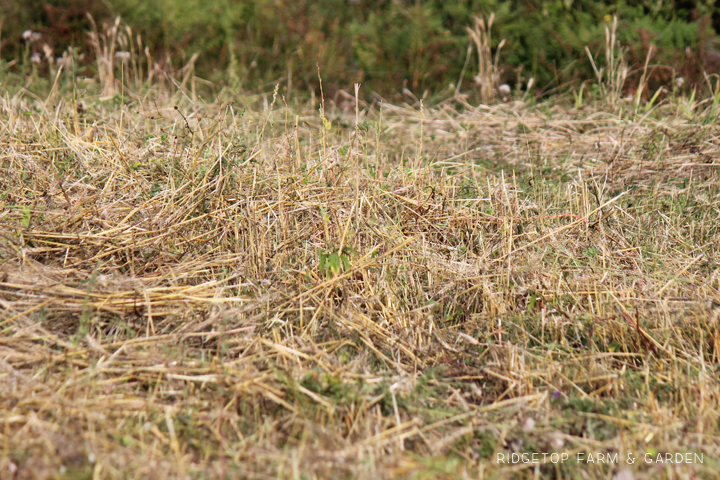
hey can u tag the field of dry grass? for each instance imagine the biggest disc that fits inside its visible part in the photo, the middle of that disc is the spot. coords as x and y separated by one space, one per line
250 289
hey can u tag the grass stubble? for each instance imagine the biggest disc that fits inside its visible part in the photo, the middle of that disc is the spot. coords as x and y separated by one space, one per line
248 289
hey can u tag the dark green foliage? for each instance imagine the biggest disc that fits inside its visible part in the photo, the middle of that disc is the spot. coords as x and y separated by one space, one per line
383 44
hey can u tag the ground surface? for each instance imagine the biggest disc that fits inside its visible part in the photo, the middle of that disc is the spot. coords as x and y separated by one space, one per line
248 290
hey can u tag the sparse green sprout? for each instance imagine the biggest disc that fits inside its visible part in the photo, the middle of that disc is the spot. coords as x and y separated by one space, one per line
333 263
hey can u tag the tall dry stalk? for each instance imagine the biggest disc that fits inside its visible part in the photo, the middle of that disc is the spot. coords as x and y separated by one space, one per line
488 72
611 78
104 45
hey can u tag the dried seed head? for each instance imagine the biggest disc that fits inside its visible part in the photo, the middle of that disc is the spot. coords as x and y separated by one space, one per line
29 36
624 474
122 56
528 424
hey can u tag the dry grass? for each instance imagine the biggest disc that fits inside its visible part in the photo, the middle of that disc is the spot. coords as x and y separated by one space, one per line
243 291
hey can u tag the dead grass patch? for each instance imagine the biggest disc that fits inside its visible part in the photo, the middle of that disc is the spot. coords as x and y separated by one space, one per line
243 290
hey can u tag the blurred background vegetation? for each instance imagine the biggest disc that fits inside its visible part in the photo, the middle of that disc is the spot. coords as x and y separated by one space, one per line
387 45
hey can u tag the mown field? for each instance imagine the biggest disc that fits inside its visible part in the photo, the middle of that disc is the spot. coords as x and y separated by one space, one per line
240 287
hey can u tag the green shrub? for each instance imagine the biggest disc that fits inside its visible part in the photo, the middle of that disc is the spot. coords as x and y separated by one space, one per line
384 44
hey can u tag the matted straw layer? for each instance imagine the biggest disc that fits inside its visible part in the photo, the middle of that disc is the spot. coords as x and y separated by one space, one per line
246 290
